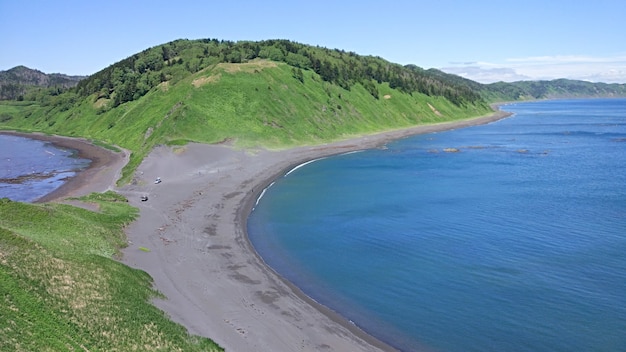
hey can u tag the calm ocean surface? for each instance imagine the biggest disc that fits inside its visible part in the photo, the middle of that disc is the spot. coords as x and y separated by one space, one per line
30 169
515 243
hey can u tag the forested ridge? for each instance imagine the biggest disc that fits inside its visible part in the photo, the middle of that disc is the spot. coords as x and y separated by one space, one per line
553 89
19 81
134 76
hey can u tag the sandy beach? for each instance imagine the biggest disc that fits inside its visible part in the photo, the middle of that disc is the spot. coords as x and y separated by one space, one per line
193 240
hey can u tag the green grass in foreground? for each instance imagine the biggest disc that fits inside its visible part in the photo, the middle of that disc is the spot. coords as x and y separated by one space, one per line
60 289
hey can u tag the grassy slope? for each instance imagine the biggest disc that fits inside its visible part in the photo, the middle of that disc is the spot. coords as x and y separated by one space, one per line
61 290
257 104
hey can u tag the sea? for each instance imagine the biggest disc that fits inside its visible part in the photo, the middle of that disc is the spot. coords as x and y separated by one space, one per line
30 169
509 236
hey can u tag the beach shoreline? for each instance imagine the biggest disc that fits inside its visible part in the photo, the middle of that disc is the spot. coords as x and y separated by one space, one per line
101 175
194 227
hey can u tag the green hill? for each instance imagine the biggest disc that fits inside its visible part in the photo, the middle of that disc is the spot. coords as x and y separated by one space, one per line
272 93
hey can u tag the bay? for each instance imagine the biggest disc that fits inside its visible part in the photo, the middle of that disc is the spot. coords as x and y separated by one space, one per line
515 242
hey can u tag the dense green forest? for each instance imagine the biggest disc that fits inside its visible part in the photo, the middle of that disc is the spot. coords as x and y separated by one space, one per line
133 77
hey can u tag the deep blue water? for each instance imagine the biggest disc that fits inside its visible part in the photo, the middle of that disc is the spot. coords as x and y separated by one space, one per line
515 243
21 157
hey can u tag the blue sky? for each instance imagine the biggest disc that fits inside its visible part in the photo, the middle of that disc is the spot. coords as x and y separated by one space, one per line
482 40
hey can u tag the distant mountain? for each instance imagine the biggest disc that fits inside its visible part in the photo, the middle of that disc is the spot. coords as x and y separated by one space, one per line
14 83
534 90
554 89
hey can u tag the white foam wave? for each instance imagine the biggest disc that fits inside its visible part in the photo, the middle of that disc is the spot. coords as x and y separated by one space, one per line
262 194
303 164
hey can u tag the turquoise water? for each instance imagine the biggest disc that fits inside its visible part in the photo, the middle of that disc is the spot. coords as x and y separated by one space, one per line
515 243
30 169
